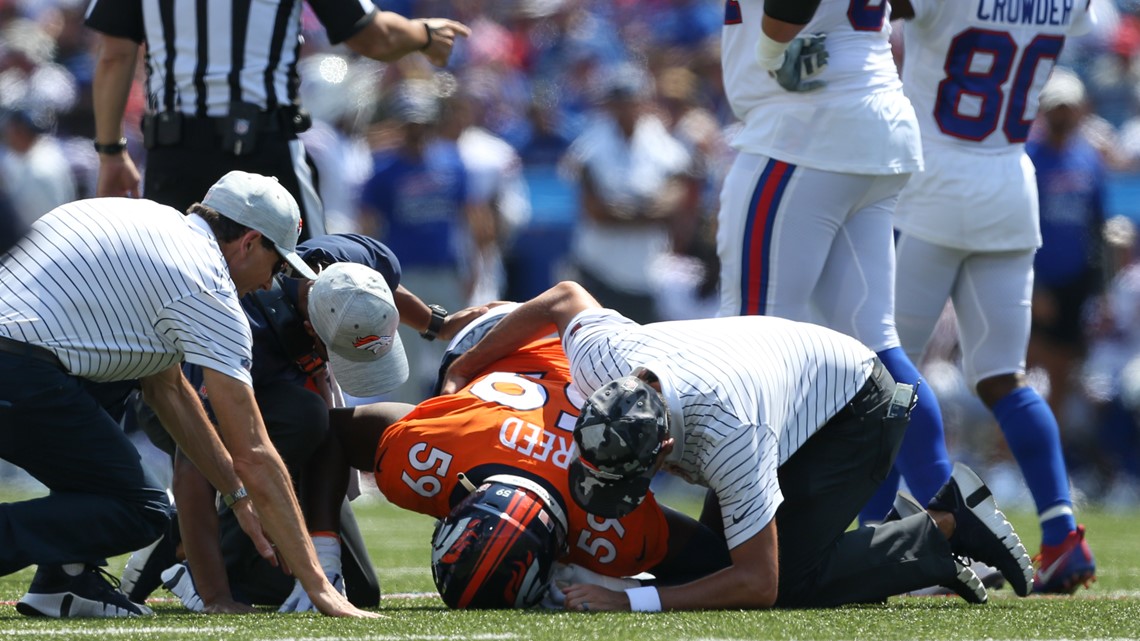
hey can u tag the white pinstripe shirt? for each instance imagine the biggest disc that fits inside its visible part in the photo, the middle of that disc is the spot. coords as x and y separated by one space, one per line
744 393
120 289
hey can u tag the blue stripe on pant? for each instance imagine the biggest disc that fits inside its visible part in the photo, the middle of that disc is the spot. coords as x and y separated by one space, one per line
101 503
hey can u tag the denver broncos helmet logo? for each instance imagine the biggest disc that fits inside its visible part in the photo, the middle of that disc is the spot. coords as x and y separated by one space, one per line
373 343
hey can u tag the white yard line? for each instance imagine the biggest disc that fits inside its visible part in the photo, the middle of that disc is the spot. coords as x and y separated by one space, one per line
405 637
71 630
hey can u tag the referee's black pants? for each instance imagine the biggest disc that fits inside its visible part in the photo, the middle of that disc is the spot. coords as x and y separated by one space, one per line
180 175
101 502
825 484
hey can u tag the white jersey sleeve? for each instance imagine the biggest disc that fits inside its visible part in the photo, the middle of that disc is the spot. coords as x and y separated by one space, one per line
973 69
859 122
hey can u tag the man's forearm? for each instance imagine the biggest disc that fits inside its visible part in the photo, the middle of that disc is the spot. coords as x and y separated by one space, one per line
114 73
533 319
198 523
267 480
181 413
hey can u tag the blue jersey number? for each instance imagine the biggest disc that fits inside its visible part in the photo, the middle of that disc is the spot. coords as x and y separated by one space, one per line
867 15
732 13
970 98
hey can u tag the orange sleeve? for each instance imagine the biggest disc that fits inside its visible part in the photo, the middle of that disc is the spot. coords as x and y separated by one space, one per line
619 547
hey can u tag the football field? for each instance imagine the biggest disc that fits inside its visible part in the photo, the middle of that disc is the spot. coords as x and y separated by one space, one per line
399 542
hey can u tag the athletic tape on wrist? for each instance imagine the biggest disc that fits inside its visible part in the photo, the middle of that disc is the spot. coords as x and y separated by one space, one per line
645 599
769 52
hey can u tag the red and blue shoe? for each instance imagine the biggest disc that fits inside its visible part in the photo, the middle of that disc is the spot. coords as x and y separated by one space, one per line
1064 567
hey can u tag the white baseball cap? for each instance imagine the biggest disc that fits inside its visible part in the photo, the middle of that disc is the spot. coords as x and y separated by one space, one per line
352 310
262 204
1063 88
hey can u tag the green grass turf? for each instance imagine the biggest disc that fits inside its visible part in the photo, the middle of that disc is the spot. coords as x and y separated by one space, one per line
399 544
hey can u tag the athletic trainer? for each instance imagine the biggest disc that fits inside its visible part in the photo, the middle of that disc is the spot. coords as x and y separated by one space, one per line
792 426
109 294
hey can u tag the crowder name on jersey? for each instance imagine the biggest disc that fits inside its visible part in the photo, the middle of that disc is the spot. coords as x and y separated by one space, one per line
1036 12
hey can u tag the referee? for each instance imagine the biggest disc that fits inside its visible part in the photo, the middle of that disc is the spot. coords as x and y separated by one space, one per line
222 88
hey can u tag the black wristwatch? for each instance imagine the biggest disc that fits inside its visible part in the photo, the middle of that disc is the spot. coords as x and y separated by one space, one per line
438 315
111 148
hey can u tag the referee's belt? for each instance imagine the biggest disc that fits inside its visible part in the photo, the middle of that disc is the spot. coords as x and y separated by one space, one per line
27 350
875 391
171 128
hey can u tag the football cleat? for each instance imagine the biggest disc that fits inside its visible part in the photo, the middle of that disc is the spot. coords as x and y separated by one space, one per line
1064 567
177 579
143 572
93 593
966 583
981 530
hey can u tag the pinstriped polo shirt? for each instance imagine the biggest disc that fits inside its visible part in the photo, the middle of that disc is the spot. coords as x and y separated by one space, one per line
120 289
744 393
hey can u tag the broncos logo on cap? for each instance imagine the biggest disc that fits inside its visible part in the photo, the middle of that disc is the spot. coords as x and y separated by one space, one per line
373 343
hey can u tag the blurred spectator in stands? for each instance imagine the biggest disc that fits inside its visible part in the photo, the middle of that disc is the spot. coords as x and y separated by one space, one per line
698 130
1111 374
685 281
634 179
38 176
12 229
340 93
1114 78
1067 267
417 200
496 186
28 77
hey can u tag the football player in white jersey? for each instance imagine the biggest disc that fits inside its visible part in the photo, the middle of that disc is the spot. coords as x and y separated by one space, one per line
968 231
804 229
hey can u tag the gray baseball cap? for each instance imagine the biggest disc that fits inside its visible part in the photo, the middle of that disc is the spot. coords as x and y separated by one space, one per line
352 310
262 204
619 435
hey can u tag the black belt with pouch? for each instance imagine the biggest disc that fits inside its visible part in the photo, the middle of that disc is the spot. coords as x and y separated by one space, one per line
237 132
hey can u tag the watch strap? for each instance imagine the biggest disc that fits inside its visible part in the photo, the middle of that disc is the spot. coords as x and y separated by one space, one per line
111 148
435 324
235 496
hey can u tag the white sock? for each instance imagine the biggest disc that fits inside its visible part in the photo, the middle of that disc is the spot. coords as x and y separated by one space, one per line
328 552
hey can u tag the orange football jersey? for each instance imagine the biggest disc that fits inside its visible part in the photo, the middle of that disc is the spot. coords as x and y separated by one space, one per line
517 416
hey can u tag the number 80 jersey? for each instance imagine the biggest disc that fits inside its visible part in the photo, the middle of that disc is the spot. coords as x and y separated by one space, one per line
973 69
518 417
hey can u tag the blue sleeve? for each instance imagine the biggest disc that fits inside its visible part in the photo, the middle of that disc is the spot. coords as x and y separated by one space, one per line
353 248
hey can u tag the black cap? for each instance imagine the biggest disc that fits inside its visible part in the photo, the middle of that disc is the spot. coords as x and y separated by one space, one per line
619 435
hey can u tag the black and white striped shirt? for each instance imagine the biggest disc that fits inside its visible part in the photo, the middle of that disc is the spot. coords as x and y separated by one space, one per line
120 289
204 54
744 393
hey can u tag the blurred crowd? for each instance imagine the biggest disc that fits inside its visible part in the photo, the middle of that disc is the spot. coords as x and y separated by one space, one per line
588 139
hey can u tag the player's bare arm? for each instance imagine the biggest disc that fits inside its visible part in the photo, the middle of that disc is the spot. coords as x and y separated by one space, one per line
269 486
549 311
198 523
749 583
